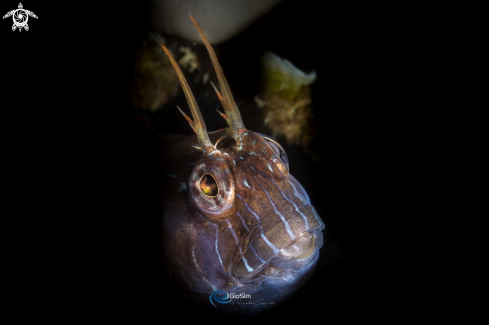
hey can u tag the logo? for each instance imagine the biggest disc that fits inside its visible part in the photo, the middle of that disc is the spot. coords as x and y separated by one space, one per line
219 296
20 17
222 297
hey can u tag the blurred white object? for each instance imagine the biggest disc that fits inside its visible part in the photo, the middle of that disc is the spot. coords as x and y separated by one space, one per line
219 19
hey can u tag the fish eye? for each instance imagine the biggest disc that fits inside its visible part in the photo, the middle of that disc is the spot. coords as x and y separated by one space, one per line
278 149
208 185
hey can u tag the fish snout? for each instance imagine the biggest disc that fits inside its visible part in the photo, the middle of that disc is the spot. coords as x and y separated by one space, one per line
277 243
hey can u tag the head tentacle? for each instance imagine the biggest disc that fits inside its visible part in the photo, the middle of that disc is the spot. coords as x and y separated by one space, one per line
189 120
198 123
221 99
235 122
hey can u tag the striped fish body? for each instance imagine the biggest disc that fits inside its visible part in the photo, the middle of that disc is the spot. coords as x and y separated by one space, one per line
264 241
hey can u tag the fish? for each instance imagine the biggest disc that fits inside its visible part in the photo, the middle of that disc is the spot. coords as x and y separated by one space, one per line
238 231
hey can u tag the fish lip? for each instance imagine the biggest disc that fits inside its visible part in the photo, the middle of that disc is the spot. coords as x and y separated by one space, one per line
294 265
237 269
318 228
290 262
318 242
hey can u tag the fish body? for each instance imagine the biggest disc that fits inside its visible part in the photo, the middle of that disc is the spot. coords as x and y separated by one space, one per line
239 232
264 243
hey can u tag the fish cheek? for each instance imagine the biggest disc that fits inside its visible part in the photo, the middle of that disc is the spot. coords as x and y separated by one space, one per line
212 188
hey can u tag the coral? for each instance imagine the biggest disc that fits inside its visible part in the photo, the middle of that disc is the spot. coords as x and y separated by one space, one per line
285 98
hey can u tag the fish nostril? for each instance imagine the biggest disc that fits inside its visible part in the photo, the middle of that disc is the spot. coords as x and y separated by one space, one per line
300 248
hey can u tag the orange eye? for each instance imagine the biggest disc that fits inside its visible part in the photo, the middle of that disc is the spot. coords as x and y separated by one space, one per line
208 185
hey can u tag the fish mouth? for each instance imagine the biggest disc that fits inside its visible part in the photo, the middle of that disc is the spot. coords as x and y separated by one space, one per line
297 255
300 253
302 247
280 244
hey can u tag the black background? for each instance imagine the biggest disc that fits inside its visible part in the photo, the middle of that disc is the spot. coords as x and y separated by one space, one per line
81 237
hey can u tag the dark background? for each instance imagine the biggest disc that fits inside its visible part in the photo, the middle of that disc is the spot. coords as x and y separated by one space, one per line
80 168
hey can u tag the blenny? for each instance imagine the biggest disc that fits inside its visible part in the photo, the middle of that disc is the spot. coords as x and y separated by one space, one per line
238 229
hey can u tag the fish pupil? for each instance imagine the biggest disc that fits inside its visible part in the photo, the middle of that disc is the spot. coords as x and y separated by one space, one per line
208 185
